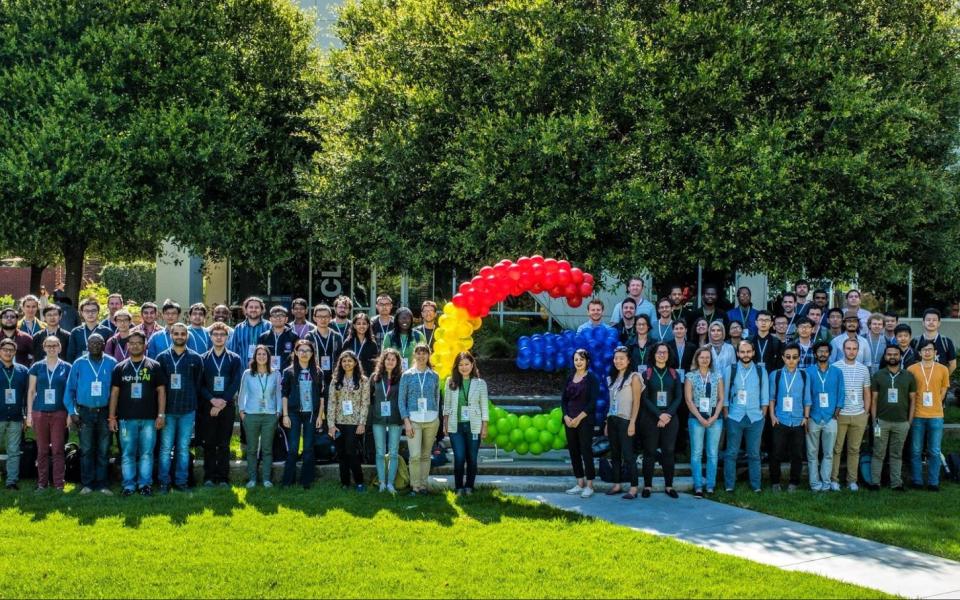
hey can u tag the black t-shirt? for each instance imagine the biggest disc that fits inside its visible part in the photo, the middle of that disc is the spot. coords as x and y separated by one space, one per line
149 374
945 349
769 352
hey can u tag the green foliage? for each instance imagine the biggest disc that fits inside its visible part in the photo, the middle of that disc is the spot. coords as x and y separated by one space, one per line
134 281
785 136
97 291
7 300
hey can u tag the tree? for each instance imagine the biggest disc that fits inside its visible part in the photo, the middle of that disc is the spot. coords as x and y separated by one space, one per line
784 136
123 124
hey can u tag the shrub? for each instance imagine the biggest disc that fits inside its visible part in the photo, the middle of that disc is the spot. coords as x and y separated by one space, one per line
135 281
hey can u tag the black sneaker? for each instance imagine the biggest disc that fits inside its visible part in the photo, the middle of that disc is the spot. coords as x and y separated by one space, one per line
146 491
933 488
13 487
181 488
645 493
126 493
873 487
672 493
698 494
916 486
899 488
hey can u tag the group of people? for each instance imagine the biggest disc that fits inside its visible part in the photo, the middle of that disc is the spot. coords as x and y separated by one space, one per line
175 381
819 383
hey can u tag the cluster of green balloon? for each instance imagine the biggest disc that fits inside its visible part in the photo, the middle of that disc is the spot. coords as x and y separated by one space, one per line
523 434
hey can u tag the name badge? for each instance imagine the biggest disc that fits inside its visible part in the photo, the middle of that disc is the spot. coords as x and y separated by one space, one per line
404 364
613 407
347 408
464 413
218 385
742 397
824 399
852 398
928 399
661 399
175 381
705 405
50 396
385 409
275 362
96 388
10 396
325 363
306 397
136 390
893 395
788 403
422 405
251 349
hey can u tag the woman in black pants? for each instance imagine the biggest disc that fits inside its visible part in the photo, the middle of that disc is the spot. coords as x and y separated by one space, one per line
578 403
625 386
662 396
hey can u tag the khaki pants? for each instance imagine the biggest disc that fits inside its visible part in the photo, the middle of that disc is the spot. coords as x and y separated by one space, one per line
850 430
894 435
420 447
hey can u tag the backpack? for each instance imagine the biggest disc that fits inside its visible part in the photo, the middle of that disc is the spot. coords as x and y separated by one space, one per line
71 459
648 374
28 459
952 466
776 383
605 471
733 373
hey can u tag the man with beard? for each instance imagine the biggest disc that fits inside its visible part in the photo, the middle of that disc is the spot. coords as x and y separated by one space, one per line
894 393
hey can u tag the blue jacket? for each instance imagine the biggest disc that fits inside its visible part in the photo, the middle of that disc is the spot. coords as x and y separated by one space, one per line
158 343
198 340
189 366
17 378
83 373
77 346
229 368
735 314
832 385
410 391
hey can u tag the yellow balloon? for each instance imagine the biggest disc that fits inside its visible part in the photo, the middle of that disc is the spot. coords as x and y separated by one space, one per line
444 320
450 308
441 347
476 323
464 329
467 343
440 334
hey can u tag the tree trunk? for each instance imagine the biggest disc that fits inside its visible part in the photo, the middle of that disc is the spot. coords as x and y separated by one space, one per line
36 275
73 255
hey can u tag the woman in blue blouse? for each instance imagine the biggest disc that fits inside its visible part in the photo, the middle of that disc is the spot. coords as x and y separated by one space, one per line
419 401
46 412
260 404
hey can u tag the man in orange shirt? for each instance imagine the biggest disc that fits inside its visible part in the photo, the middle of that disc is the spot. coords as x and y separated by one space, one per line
933 381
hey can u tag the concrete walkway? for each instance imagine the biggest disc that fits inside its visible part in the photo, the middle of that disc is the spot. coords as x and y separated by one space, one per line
774 541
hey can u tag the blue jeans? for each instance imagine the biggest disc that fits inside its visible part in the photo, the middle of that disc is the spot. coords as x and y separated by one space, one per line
137 437
179 429
697 434
932 430
305 422
384 436
94 445
466 446
737 430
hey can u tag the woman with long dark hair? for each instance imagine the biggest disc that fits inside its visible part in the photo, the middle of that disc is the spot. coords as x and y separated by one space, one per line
465 417
361 341
302 393
419 403
640 354
347 408
625 386
385 415
578 402
658 418
260 403
403 337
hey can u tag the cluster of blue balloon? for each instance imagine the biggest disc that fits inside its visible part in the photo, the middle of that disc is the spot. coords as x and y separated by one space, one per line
554 352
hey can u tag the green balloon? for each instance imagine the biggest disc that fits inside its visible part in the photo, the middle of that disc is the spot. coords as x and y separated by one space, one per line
514 420
502 440
509 447
554 426
536 448
546 438
525 421
503 426
540 422
516 436
557 414
501 414
522 448
531 435
491 431
558 444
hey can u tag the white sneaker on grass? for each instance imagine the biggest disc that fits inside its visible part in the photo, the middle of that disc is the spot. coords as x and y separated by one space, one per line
587 492
854 487
575 490
251 484
834 486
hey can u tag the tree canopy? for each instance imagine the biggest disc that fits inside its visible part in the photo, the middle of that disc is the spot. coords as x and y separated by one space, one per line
803 136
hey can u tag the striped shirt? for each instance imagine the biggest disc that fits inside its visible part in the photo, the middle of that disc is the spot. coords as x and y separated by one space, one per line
855 378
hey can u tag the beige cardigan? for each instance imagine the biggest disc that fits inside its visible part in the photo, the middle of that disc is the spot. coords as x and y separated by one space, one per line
477 401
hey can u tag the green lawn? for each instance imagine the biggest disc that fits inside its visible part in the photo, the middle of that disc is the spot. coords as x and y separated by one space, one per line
324 542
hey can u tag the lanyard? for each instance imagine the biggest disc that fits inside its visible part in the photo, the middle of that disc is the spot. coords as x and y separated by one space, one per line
96 374
136 370
680 348
421 381
86 334
823 381
32 328
263 380
660 377
744 317
359 352
51 374
403 345
678 311
252 333
202 341
176 363
927 378
643 353
660 329
120 347
743 378
876 349
299 331
428 333
386 389
790 324
9 377
763 348
893 378
803 353
790 383
219 365
276 344
465 391
322 345
705 385
906 353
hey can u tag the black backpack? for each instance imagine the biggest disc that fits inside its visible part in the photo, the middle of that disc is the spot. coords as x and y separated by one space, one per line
733 373
776 383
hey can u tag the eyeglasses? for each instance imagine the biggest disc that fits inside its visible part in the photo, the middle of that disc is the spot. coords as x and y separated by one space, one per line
304 351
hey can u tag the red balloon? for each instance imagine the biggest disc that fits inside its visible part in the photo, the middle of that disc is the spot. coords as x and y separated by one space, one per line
563 276
500 271
478 283
526 281
550 264
563 264
484 271
549 280
484 311
586 289
536 271
576 275
588 278
571 290
459 300
513 272
464 287
524 262
537 259
575 302
536 288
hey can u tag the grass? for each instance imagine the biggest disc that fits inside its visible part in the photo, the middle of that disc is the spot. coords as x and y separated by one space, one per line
324 542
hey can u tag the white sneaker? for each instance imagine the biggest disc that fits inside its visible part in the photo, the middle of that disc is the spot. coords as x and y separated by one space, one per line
106 492
382 488
854 487
575 490
391 489
834 486
587 492
251 484
85 491
268 484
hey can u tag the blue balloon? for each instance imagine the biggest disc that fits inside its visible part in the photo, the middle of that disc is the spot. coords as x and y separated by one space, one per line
537 362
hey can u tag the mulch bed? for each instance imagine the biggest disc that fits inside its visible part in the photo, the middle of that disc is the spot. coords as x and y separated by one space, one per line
505 379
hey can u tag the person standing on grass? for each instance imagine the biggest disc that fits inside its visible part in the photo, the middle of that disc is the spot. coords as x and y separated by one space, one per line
852 422
199 337
822 409
137 405
46 413
302 392
944 351
640 354
183 372
86 400
403 338
876 342
933 381
419 403
384 322
894 392
385 414
361 343
246 334
428 314
327 341
626 388
465 417
722 353
222 371
748 394
662 395
662 329
347 410
51 316
14 385
703 391
579 402
117 345
790 394
768 348
89 309
300 326
279 339
260 404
